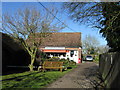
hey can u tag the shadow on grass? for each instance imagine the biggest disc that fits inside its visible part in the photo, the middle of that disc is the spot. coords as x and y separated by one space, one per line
33 79
19 78
28 82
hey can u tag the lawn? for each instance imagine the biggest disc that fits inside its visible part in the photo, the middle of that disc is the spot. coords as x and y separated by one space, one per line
35 79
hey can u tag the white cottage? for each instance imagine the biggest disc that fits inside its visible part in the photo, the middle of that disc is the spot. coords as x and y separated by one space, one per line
63 45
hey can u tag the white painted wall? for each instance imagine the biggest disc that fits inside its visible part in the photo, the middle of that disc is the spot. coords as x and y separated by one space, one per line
74 58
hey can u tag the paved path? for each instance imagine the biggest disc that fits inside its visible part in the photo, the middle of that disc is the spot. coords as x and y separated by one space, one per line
83 76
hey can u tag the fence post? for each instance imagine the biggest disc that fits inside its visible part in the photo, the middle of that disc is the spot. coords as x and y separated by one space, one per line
111 59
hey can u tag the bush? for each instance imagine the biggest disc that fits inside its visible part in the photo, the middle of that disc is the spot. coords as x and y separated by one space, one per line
66 62
96 59
72 62
53 59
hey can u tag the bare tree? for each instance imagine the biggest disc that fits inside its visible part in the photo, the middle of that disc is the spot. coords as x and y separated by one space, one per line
90 44
30 21
101 15
103 49
89 13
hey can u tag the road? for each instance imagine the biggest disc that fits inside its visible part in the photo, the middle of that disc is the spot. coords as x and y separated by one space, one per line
84 76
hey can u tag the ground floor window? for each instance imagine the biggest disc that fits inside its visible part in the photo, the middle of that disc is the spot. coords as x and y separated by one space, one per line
56 54
71 53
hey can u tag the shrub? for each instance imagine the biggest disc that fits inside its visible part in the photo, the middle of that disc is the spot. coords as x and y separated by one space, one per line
53 59
96 59
65 61
72 62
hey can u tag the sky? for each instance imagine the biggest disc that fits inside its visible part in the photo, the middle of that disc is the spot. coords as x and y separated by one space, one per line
11 7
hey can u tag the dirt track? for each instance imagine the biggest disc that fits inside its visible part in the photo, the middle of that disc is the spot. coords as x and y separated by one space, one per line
84 76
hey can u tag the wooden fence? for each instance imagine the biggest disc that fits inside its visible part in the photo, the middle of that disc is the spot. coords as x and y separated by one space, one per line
109 67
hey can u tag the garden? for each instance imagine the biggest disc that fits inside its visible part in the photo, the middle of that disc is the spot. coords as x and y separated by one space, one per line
37 79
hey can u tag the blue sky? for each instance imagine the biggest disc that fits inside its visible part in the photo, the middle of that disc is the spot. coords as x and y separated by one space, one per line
11 7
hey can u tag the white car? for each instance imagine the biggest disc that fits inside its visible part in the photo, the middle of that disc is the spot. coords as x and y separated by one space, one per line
89 58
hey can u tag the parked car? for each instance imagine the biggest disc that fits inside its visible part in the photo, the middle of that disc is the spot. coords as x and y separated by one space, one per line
89 58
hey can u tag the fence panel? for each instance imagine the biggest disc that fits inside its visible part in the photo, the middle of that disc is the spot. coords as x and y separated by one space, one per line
109 67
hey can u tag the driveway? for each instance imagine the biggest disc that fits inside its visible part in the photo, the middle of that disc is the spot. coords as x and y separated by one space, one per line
84 76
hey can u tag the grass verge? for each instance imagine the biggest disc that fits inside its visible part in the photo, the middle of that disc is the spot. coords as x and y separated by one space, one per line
33 79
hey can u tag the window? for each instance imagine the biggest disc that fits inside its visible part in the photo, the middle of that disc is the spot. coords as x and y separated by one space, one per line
64 55
55 54
71 53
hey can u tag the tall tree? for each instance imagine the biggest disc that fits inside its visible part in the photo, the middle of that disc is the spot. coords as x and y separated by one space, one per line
102 15
29 21
90 45
111 23
89 13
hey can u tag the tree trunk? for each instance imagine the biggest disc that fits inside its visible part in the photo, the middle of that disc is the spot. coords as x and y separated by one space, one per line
32 62
31 67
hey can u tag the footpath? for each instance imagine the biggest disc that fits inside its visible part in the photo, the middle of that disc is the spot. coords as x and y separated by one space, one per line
84 76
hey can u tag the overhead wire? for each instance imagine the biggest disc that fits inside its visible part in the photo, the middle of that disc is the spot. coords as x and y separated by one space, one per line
55 16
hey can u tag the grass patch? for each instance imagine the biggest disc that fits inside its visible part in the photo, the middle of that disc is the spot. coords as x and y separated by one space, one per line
33 79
